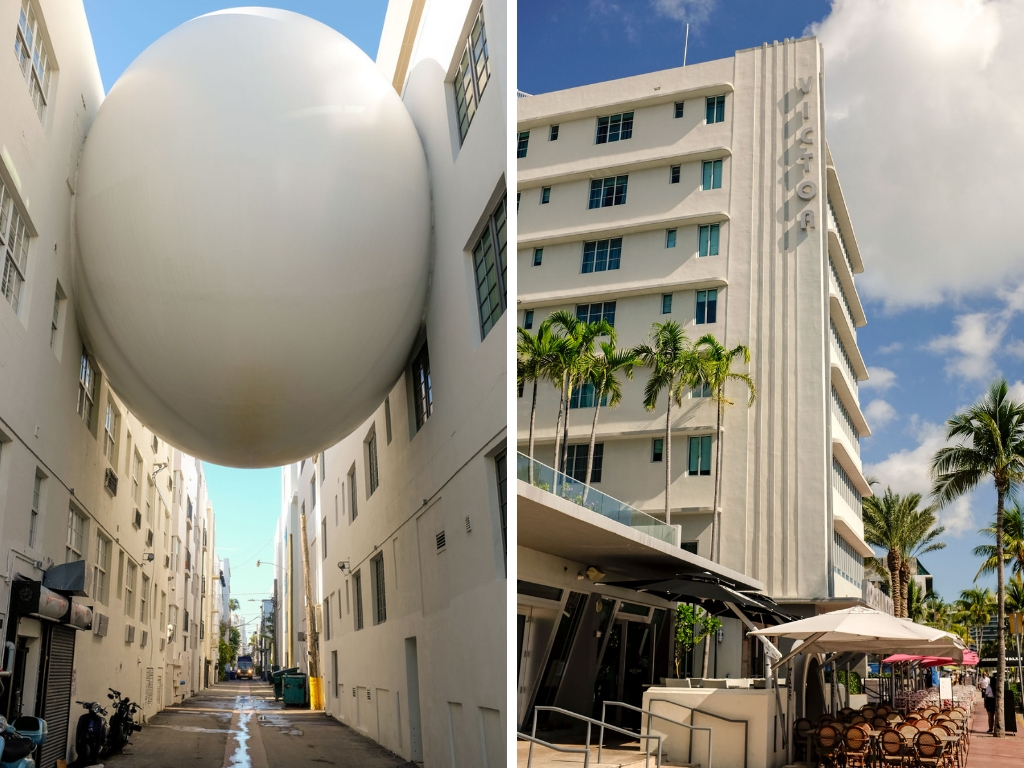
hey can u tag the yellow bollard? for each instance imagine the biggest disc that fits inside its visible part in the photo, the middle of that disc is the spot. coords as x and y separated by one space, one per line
316 693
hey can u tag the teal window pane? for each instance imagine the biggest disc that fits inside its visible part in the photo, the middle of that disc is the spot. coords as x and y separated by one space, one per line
666 304
694 467
713 245
716 180
704 240
708 175
705 455
670 239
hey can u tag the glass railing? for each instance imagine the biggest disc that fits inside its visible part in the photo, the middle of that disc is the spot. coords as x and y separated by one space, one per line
566 487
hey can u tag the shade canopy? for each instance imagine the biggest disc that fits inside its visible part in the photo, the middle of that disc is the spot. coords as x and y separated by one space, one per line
714 595
970 659
866 630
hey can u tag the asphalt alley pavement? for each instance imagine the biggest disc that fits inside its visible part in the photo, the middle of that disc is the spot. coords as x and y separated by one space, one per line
238 724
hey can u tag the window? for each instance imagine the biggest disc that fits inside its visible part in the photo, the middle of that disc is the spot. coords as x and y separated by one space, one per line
380 608
137 480
519 196
691 547
553 133
602 255
175 554
472 76
55 320
707 306
700 455
111 425
712 174
14 239
130 575
585 395
312 491
373 478
845 487
846 561
657 448
528 319
678 110
101 570
538 256
576 462
501 472
591 313
323 459
524 143
387 418
703 389
76 536
614 127
666 303
545 195
354 510
715 111
708 240
673 174
422 387
32 57
323 538
610 191
489 266
144 600
86 388
334 669
326 613
670 238
172 619
37 490
357 587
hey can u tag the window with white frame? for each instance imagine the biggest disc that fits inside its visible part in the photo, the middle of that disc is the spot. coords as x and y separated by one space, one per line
608 192
86 388
323 537
33 59
144 600
714 109
372 469
707 240
614 127
111 425
703 389
101 569
602 255
700 455
14 239
523 144
130 575
666 304
353 508
357 588
711 174
137 479
422 388
472 76
76 536
707 307
175 554
489 268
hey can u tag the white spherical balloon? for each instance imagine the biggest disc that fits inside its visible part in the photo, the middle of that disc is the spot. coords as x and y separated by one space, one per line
253 220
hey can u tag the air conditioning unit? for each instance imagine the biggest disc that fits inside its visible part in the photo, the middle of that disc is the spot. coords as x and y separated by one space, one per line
129 633
145 639
149 538
99 624
138 519
110 481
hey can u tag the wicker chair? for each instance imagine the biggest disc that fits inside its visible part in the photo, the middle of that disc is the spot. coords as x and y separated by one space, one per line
929 751
893 749
883 710
828 742
856 747
879 722
802 730
922 724
868 712
846 713
953 749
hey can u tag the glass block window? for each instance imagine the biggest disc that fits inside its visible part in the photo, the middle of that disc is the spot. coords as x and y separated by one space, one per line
607 192
490 269
422 387
714 110
615 127
576 462
30 51
602 255
712 174
708 240
707 306
523 145
591 313
700 455
14 239
473 74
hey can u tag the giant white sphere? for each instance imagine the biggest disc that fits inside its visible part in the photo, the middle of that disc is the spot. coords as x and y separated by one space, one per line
253 219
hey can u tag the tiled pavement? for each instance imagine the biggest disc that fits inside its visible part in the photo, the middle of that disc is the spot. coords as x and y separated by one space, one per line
989 752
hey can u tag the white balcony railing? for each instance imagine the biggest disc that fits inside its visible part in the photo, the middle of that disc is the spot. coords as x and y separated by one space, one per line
876 598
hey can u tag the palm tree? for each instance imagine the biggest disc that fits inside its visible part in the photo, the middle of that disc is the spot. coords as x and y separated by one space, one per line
916 607
1015 593
716 370
675 368
569 367
975 611
992 432
534 358
602 370
895 523
1013 542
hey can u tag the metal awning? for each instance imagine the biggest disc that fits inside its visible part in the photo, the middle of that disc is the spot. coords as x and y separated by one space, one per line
714 595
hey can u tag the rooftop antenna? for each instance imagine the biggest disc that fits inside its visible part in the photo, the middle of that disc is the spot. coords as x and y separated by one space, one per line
686 43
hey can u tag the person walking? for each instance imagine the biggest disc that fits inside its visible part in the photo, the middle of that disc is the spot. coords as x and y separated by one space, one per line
989 692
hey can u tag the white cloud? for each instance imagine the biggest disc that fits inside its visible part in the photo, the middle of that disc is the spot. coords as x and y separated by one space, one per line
977 339
693 12
879 378
925 108
909 471
1016 390
896 346
879 413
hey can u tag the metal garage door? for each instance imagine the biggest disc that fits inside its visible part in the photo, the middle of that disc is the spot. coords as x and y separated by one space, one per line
58 663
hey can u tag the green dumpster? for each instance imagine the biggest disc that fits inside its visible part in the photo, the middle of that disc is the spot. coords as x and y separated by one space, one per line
279 681
296 690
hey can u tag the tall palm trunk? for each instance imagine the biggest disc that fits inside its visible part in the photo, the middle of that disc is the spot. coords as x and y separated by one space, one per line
533 422
895 577
1001 610
905 578
565 429
668 456
558 431
593 439
716 518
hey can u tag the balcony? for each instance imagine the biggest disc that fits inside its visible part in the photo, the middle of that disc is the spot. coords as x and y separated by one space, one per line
565 487
876 598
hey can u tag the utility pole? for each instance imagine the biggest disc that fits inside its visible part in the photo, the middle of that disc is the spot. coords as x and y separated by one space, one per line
312 635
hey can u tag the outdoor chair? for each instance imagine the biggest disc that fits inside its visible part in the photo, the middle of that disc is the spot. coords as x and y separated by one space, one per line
908 732
846 713
883 710
930 751
893 749
828 745
802 730
856 747
922 724
868 712
894 717
858 719
953 748
879 722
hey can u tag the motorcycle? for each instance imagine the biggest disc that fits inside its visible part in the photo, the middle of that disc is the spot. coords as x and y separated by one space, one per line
90 735
19 740
122 723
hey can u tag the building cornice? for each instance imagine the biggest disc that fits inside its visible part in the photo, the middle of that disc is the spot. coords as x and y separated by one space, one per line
617 229
617 291
599 167
835 192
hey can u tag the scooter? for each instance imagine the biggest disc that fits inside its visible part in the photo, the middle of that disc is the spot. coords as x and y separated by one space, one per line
122 723
19 740
91 735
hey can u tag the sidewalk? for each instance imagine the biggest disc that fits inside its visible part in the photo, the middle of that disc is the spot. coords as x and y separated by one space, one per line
989 752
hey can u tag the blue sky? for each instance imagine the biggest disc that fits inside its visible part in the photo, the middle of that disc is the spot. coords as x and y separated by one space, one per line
247 503
909 85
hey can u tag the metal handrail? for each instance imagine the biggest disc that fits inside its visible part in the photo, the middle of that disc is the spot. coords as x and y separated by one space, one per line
746 724
591 721
651 715
534 740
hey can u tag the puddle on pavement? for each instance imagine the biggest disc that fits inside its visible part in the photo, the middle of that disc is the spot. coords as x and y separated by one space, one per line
281 723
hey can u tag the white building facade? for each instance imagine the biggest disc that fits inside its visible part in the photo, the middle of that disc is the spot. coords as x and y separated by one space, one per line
406 517
707 195
81 479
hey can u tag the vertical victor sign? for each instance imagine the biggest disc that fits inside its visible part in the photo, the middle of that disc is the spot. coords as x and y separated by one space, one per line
806 188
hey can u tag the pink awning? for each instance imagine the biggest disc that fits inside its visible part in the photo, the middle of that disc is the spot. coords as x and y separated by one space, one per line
970 659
